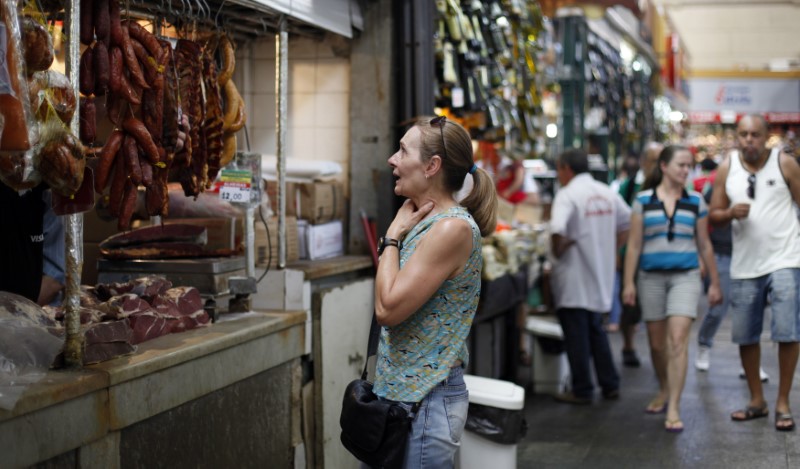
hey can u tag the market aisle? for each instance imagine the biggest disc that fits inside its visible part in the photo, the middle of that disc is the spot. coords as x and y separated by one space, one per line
618 434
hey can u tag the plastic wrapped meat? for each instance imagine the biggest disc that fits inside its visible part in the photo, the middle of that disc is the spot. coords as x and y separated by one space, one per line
13 305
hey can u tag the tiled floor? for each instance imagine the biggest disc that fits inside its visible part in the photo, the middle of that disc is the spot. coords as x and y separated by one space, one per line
618 434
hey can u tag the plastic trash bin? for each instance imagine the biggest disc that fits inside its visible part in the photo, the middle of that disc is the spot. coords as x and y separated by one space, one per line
495 424
550 366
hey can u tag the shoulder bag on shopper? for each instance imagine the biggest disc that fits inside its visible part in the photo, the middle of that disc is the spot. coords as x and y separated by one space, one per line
375 431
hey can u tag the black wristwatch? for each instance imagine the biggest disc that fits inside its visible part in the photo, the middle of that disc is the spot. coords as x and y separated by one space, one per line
384 241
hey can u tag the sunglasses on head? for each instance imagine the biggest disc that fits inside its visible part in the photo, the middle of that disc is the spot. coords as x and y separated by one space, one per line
440 121
751 186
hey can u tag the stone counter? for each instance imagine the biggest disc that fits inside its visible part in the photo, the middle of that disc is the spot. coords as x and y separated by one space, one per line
224 395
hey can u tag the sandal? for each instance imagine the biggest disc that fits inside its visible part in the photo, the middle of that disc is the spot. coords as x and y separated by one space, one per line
750 413
784 417
673 426
656 406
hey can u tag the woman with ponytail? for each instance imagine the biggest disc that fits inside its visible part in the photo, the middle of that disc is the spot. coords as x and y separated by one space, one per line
669 229
428 284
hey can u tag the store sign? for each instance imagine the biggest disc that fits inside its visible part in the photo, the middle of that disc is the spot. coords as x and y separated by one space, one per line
729 117
780 97
733 95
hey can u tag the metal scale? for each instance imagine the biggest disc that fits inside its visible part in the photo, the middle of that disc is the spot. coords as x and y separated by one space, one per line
217 278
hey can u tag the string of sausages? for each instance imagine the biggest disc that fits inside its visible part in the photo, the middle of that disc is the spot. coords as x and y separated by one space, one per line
148 89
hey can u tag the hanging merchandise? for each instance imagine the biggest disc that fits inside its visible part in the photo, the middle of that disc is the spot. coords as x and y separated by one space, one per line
37 109
606 83
173 111
486 73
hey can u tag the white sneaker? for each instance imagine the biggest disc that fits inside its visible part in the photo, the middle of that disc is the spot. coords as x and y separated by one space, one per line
761 373
702 362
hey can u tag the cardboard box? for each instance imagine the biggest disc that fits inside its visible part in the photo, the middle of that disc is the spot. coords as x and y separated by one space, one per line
223 233
528 214
265 246
320 202
317 202
271 189
325 240
302 245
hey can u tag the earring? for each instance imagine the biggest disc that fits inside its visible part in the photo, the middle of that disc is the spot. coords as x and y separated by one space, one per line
426 176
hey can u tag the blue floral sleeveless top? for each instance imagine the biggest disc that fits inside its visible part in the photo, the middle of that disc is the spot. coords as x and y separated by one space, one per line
414 356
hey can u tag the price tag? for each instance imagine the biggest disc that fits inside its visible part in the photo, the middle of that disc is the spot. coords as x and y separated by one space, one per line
235 194
235 186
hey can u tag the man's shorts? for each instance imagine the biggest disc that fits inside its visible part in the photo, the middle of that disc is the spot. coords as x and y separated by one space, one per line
669 293
749 298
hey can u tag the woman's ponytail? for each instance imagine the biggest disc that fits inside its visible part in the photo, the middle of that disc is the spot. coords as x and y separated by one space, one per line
481 202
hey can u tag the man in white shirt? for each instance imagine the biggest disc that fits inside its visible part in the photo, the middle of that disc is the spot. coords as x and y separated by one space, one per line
589 223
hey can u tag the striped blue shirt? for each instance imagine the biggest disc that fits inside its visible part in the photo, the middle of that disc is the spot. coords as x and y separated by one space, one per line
669 243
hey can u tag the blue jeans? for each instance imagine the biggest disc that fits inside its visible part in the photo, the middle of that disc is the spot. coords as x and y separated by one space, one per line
715 314
749 298
586 341
439 424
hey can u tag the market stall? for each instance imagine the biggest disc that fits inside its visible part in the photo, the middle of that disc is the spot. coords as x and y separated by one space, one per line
162 363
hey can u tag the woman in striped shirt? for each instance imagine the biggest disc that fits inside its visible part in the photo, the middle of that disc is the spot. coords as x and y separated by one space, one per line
669 229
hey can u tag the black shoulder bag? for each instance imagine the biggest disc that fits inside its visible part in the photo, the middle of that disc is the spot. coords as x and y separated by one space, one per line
374 431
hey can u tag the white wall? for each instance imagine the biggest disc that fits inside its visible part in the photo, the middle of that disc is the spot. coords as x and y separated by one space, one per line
319 96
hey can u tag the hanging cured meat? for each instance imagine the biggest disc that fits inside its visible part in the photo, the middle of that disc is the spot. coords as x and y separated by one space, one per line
146 90
192 159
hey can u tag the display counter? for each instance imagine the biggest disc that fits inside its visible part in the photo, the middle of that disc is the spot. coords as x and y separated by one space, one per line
338 296
226 395
318 269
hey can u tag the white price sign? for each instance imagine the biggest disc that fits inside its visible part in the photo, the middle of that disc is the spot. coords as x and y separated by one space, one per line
235 186
234 193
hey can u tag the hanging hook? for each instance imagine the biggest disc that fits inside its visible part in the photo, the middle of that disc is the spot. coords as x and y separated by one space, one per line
206 11
162 6
219 10
200 10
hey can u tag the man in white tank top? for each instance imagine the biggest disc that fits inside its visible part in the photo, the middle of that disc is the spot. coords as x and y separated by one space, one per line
754 191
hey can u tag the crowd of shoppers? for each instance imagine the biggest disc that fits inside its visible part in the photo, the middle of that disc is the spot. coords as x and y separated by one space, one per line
428 277
730 231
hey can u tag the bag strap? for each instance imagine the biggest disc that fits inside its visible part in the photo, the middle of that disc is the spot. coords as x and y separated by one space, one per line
372 343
